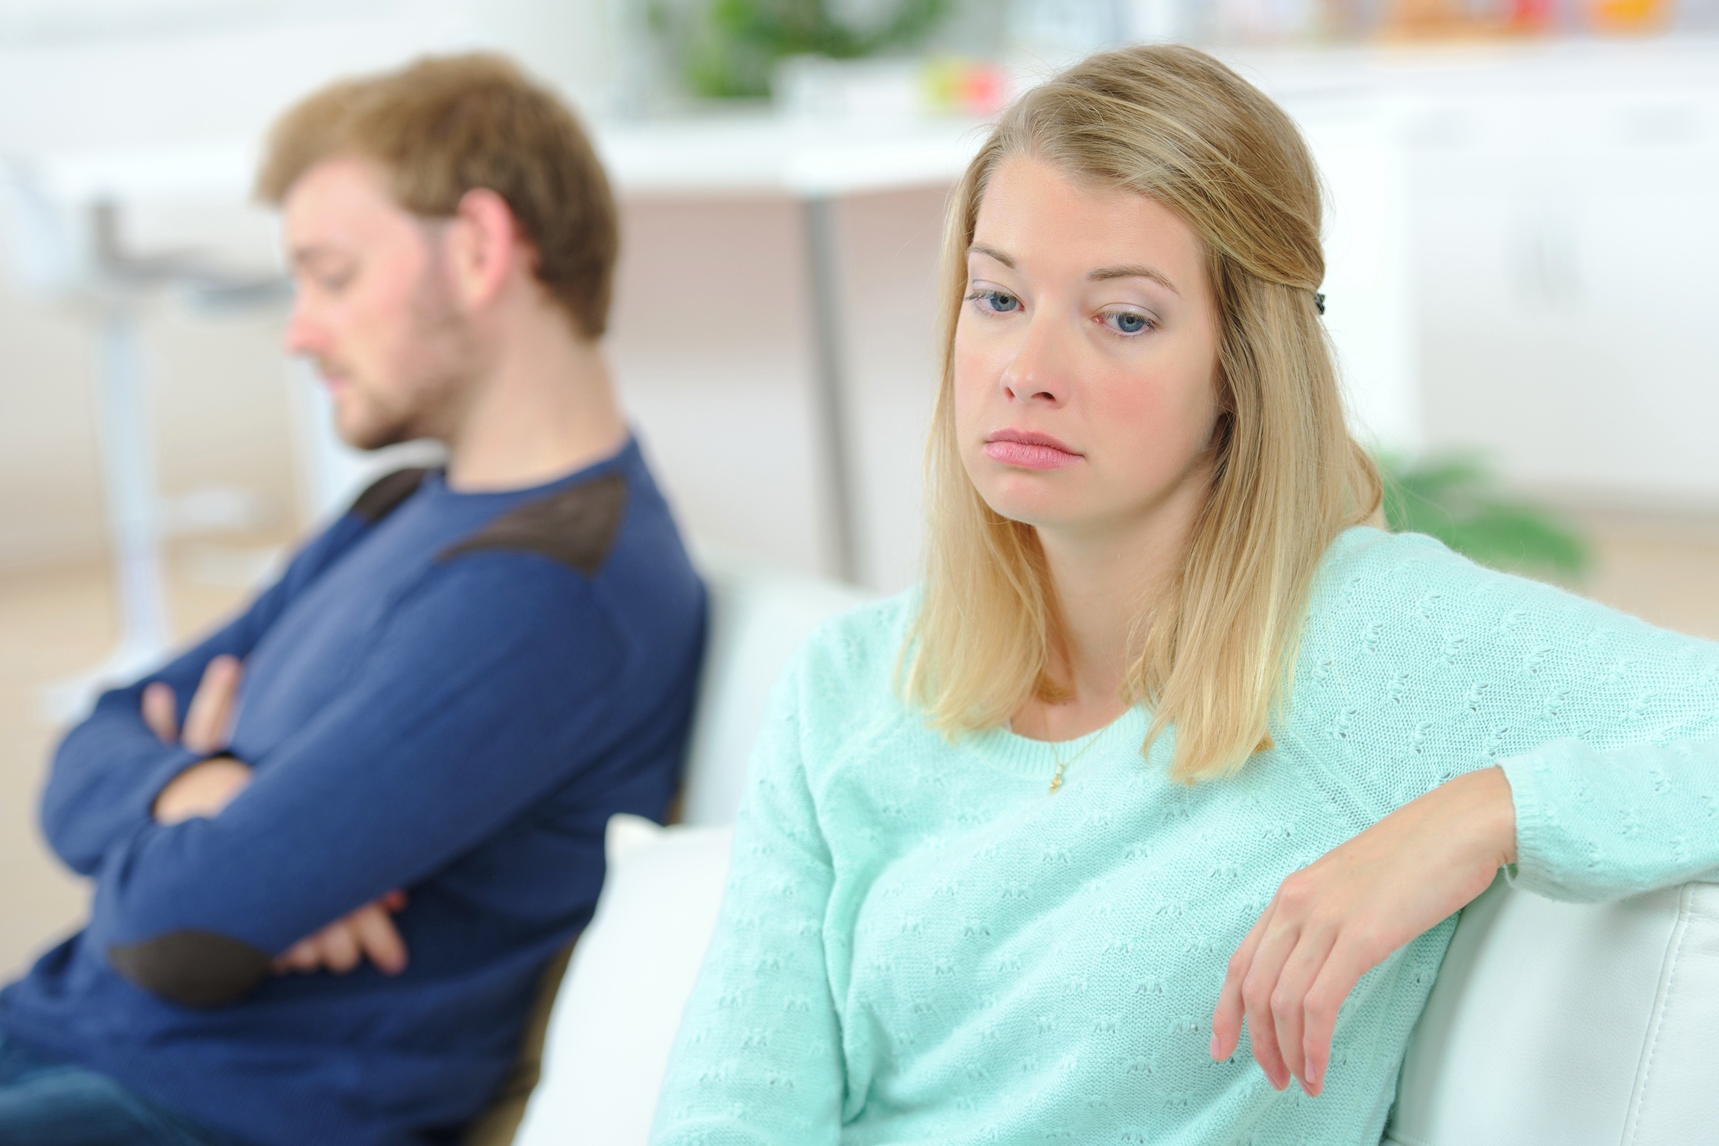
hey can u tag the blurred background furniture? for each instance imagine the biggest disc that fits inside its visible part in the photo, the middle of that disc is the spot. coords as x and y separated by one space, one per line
71 253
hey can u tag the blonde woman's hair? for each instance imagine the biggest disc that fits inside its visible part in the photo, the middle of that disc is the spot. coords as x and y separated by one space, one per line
1216 649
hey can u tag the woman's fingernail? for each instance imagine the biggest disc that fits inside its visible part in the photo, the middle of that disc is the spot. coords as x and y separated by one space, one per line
1214 1044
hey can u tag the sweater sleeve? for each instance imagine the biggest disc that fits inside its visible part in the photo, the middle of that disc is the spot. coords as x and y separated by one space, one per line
758 1057
109 769
1596 824
1606 727
485 690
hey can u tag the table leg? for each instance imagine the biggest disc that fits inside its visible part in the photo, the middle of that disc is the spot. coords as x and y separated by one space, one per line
829 388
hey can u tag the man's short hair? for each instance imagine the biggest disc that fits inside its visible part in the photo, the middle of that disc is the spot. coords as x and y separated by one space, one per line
447 125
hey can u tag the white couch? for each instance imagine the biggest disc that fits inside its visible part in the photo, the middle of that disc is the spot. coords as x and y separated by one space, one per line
1550 1023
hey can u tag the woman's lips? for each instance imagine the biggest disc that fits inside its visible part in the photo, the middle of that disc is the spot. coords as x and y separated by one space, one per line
1029 451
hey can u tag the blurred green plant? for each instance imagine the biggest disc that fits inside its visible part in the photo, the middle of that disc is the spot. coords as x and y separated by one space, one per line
729 48
1456 498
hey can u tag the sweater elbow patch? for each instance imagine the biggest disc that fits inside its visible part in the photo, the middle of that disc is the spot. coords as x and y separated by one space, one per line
192 968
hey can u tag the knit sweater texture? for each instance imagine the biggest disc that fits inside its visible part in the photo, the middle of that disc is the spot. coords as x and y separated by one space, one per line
920 943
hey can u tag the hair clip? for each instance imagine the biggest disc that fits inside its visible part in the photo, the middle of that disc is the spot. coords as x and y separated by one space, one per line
1319 301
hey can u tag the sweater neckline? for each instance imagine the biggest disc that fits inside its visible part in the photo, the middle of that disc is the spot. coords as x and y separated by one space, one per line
1008 751
436 480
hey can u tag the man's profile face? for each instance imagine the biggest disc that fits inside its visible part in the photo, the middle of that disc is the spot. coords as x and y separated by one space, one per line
375 308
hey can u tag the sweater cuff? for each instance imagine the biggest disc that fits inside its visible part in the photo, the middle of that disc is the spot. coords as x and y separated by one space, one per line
1549 860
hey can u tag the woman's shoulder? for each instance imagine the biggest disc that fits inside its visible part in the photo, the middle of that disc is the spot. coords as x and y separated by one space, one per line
1368 570
1410 591
856 652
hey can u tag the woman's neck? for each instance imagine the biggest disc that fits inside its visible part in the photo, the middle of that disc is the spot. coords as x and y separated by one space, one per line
1103 578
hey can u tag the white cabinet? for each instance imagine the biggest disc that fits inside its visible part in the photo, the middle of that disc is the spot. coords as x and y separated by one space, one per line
1567 272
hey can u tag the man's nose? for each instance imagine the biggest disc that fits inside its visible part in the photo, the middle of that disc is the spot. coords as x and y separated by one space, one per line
304 335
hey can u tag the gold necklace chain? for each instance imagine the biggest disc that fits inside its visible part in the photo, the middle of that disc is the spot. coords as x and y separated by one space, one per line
1062 765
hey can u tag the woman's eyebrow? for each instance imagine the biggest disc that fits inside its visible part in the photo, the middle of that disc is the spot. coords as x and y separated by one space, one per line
991 252
1134 273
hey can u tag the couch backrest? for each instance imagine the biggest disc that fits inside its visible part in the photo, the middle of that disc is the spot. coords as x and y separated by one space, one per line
758 618
1575 1024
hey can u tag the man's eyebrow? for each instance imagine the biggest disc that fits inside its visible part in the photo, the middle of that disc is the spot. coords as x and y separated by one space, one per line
1134 272
310 252
991 252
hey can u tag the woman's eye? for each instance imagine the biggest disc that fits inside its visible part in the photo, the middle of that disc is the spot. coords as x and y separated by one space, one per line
996 301
1127 322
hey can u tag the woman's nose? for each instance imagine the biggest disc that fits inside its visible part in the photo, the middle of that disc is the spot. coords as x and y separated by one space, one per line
1038 370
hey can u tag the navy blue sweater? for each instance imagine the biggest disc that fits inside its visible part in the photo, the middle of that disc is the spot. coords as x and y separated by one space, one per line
447 693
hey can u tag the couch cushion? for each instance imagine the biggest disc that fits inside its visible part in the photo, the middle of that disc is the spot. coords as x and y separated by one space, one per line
630 977
1570 1023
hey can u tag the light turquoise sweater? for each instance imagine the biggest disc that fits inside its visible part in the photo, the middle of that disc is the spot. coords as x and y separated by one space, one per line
920 944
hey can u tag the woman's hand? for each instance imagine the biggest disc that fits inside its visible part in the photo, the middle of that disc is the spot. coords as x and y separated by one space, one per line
1335 920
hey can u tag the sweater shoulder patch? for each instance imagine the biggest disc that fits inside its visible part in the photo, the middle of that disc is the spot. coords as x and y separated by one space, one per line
192 968
386 493
576 526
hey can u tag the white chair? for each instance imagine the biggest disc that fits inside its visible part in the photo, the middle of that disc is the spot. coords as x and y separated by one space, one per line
1569 1025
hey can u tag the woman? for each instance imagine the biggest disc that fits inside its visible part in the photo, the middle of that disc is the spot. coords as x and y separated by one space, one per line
1163 701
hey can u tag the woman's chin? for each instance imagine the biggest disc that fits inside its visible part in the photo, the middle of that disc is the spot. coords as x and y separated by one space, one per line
1040 508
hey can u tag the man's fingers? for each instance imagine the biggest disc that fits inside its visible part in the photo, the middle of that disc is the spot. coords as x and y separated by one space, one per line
302 957
211 710
377 936
1227 1017
161 712
1343 968
340 952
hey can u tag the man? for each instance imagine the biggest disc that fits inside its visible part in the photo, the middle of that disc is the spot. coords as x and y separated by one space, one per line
335 845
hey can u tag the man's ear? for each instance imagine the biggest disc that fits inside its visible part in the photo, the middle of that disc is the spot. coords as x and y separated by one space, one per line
485 247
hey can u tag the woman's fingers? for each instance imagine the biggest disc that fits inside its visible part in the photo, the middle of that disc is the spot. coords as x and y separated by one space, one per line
1289 996
1227 1016
161 712
1350 958
211 710
1257 991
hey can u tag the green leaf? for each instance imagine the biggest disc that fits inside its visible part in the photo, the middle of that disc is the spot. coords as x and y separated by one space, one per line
738 42
1456 498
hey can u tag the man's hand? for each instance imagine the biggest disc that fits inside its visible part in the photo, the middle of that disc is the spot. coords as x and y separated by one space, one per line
366 933
202 789
1335 920
209 720
205 788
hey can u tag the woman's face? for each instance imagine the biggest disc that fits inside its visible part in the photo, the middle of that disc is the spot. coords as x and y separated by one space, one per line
1085 356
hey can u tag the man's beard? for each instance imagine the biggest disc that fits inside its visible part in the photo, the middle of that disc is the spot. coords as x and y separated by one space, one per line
435 374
